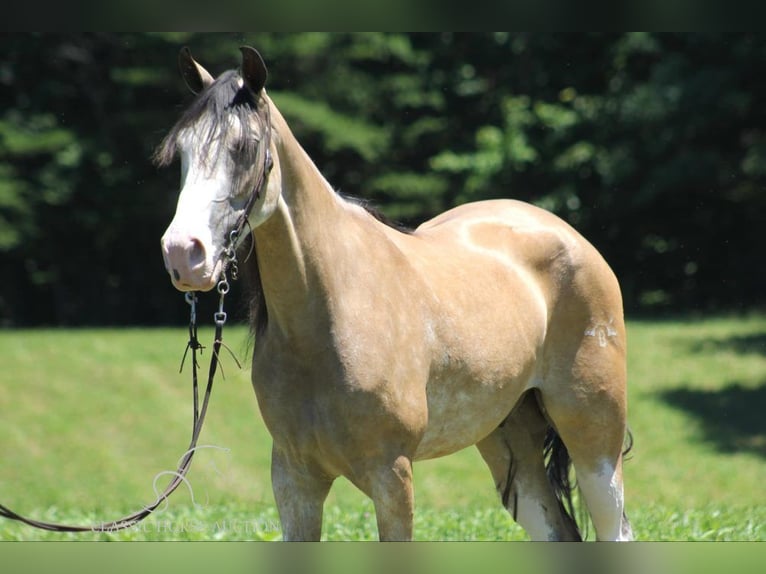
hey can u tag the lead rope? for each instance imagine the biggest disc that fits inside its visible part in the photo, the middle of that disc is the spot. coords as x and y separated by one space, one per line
184 465
229 262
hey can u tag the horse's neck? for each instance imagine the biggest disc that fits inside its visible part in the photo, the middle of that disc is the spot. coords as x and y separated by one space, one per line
295 246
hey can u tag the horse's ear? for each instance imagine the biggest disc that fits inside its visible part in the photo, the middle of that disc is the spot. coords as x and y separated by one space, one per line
196 77
254 71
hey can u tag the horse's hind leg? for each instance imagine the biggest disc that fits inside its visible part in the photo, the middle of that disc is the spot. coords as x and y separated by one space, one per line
514 454
602 489
586 403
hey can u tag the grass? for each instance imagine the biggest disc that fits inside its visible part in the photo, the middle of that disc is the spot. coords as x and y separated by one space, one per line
90 417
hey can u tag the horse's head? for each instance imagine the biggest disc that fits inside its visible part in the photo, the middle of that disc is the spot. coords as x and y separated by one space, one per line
223 142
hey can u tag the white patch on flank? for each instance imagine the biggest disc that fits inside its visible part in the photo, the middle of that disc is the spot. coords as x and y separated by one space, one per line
602 331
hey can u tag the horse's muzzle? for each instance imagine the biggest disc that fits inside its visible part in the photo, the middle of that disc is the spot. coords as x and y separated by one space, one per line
187 262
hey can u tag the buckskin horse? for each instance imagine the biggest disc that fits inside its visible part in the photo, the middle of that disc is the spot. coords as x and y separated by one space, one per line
494 324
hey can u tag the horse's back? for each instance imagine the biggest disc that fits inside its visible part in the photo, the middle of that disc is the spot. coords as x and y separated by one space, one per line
536 243
508 210
487 222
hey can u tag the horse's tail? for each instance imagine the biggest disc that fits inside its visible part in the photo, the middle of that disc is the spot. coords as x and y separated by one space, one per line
558 467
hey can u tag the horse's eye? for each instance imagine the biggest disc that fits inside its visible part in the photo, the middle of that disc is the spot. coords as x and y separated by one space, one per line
242 152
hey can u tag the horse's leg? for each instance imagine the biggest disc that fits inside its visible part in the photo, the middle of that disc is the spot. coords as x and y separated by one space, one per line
389 485
514 454
300 493
602 489
589 413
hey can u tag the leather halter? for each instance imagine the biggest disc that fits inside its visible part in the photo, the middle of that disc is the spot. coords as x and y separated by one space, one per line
265 163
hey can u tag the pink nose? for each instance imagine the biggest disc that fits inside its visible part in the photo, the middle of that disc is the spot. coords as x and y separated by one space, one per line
185 259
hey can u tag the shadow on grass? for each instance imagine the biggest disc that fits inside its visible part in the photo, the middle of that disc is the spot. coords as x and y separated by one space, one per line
750 344
732 417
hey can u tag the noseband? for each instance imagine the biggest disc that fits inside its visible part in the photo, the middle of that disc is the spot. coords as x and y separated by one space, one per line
265 163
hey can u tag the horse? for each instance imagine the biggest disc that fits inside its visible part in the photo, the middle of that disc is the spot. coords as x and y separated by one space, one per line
494 324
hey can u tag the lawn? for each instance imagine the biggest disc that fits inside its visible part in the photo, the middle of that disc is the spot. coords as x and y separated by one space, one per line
90 417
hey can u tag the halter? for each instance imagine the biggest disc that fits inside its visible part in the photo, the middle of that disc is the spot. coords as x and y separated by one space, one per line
229 256
264 162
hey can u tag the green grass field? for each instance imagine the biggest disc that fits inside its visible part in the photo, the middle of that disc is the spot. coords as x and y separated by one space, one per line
90 417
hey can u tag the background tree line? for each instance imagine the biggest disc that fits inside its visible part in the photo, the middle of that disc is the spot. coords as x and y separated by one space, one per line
652 145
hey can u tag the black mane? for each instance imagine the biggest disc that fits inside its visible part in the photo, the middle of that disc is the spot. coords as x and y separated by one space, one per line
370 208
218 102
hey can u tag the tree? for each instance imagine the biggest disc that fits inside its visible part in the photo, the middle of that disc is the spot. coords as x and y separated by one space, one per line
652 145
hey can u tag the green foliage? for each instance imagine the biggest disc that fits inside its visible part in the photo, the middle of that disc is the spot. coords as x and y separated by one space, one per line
652 145
338 131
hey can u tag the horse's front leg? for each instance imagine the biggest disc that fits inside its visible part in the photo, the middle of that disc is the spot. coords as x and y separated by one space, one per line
390 487
300 492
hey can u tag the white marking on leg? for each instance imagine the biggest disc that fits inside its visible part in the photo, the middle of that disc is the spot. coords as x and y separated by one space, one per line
603 493
530 515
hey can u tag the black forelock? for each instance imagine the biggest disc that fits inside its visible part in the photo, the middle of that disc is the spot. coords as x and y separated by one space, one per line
223 97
